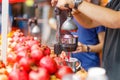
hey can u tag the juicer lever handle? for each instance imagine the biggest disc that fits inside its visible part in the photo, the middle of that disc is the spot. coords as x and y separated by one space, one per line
57 11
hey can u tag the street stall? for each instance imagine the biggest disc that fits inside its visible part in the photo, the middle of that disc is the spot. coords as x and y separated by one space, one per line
26 58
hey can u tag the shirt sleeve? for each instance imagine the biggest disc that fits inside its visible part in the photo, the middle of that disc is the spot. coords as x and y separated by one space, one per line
100 29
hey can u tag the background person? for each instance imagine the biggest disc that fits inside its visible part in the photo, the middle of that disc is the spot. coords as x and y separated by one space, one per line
89 38
17 10
92 38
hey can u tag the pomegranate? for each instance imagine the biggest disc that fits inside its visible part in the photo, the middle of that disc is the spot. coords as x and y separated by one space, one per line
48 63
11 58
24 63
36 54
13 75
40 74
63 70
20 55
47 50
17 74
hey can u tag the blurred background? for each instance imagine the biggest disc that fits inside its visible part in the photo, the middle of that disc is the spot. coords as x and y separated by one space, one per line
26 14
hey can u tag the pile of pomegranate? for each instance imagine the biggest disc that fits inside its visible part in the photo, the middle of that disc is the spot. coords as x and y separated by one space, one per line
27 59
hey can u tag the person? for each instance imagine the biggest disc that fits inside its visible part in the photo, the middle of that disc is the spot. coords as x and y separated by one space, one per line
91 16
16 10
94 38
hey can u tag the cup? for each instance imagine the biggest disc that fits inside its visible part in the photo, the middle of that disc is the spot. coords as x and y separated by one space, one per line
97 73
74 63
71 77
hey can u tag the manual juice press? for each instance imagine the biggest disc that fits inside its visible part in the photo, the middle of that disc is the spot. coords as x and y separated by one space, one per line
65 40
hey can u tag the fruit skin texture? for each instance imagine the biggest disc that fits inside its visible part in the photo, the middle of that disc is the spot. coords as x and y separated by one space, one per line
24 63
47 50
49 63
40 74
36 54
18 75
63 70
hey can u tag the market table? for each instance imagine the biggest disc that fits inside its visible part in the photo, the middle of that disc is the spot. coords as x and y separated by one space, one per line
21 49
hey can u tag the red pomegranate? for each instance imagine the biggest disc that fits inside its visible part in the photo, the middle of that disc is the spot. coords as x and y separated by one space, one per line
48 63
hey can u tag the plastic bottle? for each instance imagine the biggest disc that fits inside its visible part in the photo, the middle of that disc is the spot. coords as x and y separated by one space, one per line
97 73
71 77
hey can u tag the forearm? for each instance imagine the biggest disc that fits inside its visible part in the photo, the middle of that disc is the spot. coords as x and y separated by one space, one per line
84 20
96 48
102 15
93 48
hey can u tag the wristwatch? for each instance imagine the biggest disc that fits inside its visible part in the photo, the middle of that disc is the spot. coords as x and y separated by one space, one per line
88 48
77 3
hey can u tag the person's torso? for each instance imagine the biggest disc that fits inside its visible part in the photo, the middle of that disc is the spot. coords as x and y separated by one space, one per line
111 51
88 37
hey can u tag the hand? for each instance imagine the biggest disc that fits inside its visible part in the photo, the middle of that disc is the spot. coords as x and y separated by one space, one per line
61 3
63 55
54 2
75 12
81 48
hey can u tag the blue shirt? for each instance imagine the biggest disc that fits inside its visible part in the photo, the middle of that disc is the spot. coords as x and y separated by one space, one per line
88 37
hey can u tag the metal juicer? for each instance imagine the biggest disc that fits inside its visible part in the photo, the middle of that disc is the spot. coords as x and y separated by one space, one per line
65 40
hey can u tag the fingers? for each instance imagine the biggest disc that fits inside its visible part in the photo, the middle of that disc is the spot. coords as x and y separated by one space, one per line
80 44
59 3
54 2
74 12
63 55
79 48
62 4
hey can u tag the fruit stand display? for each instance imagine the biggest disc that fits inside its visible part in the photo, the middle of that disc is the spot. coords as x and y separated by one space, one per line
27 59
24 58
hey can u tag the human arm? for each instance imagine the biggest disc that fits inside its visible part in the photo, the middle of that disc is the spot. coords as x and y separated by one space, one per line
83 19
93 48
102 15
98 14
